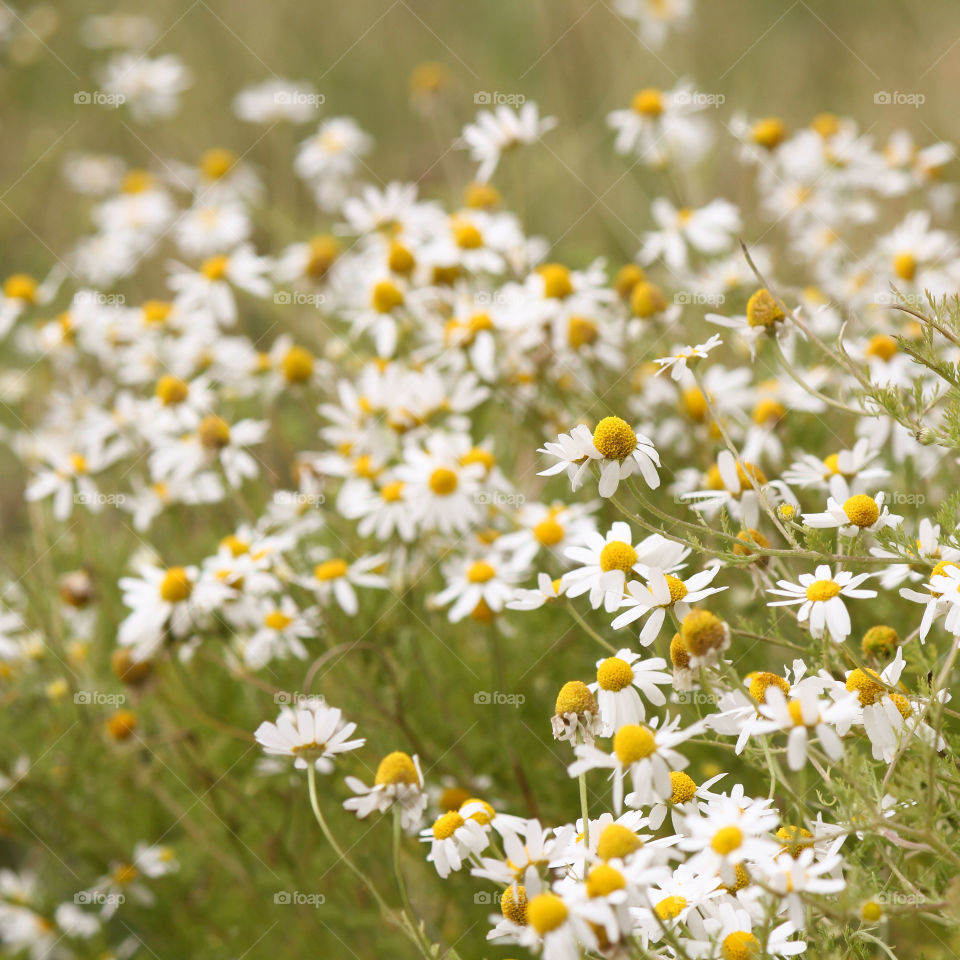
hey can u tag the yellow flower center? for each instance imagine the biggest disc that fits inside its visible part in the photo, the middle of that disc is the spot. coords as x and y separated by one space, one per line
762 681
546 912
796 839
478 455
883 346
647 102
155 312
632 743
277 620
768 132
617 555
214 432
137 181
684 787
297 365
481 572
879 641
215 268
443 481
703 632
822 590
628 276
726 840
467 236
548 532
453 798
905 266
679 655
176 585
871 911
557 282
647 299
581 332
396 768
861 510
323 251
235 545
513 904
217 163
331 569
386 297
20 286
768 412
480 196
484 815
763 310
678 589
447 825
121 725
740 945
575 697
617 842
614 674
670 907
171 390
614 438
392 492
78 462
603 880
867 686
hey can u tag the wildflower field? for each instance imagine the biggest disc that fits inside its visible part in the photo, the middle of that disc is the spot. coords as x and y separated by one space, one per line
480 481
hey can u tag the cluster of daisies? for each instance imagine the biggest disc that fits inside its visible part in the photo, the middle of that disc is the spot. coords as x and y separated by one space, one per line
279 438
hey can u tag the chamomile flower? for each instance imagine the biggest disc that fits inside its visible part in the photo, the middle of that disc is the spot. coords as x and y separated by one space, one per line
709 229
335 579
495 131
619 678
546 590
453 839
621 453
489 581
844 473
820 595
398 780
857 513
683 357
312 733
663 592
643 752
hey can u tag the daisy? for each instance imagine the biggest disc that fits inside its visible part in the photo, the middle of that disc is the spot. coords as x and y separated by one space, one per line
452 840
935 601
791 877
312 733
576 716
709 230
606 561
843 473
663 592
737 485
644 753
545 591
857 513
618 679
730 929
494 132
280 633
336 578
820 596
728 830
398 780
166 600
803 714
623 452
471 583
683 357
151 87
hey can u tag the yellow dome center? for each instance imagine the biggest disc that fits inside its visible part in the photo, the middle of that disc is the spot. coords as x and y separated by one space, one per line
176 585
740 945
445 826
396 768
726 840
821 590
575 697
617 555
546 912
443 481
614 674
603 880
763 310
861 510
632 743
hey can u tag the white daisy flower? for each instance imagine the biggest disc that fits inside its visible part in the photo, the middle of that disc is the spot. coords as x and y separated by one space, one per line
859 512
